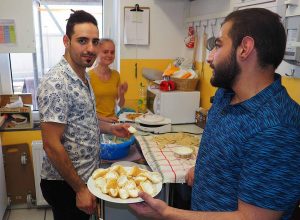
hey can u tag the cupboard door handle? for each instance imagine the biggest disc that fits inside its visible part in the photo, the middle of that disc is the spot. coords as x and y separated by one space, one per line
135 70
24 158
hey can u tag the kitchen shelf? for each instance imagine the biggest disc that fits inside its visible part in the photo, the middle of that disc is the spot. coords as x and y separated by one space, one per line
207 17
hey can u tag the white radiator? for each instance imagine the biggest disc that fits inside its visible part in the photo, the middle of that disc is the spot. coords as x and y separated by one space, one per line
37 157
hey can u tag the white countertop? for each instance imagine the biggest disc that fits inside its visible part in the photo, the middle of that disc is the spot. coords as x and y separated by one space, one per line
189 128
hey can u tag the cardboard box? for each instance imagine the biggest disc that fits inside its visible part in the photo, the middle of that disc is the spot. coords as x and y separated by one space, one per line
16 118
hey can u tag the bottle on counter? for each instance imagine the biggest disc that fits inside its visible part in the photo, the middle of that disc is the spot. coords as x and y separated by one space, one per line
142 101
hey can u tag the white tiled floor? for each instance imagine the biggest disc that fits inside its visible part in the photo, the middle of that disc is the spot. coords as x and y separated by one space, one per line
28 214
23 213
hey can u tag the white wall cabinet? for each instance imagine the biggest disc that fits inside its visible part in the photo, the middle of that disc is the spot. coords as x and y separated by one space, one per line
242 3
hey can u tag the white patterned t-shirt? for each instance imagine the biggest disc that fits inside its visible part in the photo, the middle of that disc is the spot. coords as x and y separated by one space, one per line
64 98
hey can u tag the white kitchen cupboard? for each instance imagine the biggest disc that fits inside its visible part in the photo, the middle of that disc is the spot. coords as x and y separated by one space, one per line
3 196
242 3
203 10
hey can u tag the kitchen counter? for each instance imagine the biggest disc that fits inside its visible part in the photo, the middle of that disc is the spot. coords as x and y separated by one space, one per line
189 128
136 154
160 156
36 127
111 210
114 211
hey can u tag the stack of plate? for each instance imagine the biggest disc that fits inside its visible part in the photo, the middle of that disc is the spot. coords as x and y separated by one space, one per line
150 119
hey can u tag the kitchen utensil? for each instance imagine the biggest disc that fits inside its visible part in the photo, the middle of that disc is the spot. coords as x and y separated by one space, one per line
203 55
195 48
211 41
152 74
190 39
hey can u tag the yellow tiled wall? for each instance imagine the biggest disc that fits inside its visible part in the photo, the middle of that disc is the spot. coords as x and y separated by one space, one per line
206 90
292 85
127 72
20 137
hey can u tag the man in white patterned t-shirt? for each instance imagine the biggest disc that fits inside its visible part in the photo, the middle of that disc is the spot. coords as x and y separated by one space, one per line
69 124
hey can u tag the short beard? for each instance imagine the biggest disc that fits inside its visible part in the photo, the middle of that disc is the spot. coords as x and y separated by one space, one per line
226 72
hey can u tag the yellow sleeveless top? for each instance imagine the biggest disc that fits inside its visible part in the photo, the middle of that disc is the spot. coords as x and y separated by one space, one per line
106 92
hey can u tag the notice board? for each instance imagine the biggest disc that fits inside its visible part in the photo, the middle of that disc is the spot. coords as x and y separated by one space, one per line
17 26
137 25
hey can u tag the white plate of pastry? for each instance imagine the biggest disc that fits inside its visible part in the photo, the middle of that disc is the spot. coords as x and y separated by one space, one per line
121 184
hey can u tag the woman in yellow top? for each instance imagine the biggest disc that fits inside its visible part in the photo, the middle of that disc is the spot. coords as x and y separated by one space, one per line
108 90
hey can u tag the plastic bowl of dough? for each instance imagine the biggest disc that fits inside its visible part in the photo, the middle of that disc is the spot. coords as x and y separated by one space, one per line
114 148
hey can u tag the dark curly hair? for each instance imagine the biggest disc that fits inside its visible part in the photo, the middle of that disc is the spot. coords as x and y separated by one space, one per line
79 17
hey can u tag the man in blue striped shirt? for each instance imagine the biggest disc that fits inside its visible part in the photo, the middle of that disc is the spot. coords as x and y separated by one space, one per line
248 161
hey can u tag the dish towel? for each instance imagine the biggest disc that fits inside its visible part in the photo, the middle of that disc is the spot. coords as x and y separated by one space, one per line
164 161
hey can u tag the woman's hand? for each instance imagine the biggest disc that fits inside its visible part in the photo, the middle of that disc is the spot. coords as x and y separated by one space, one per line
111 119
120 130
122 89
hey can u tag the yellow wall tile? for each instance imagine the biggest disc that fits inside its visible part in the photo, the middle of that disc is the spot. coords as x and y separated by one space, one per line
206 90
20 137
127 73
292 85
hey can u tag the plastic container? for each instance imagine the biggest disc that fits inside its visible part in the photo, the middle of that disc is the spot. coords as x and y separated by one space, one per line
114 151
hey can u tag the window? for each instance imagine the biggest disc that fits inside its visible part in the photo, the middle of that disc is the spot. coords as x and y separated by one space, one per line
50 22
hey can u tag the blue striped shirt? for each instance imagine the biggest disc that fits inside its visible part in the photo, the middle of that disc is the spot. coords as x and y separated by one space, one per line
250 151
